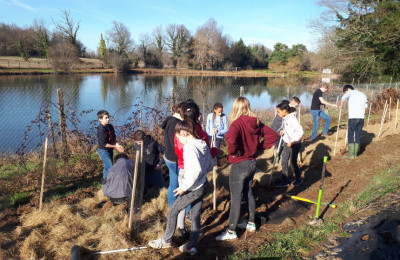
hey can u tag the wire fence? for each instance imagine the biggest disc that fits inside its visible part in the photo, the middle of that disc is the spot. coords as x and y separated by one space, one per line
30 112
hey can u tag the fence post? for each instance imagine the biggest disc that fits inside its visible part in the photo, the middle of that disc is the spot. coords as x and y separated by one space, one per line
61 114
241 91
172 101
43 174
141 119
134 188
52 136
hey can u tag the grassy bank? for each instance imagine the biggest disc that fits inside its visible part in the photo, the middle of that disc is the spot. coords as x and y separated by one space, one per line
300 241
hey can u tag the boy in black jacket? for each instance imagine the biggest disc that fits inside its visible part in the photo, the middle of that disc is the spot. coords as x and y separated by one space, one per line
151 154
107 141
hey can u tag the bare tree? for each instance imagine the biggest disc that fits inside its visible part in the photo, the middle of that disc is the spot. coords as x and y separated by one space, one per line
120 38
63 56
209 45
67 27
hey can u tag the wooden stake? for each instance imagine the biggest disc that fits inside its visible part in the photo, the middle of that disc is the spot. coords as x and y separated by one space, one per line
390 106
214 176
43 173
337 132
299 155
383 119
369 113
135 176
141 180
397 110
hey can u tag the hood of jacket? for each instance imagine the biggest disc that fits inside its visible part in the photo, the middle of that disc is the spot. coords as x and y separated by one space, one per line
252 123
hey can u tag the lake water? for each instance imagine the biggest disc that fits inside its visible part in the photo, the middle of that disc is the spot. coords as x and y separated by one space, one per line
21 97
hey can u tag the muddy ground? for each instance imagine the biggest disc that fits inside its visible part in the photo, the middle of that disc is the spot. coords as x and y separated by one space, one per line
344 180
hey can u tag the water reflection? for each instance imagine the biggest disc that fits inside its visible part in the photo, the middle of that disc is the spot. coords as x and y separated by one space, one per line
22 96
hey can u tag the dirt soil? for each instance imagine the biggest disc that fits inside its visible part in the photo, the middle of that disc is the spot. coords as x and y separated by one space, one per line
344 180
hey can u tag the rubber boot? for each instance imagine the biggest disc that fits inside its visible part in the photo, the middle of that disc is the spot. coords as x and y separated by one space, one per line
350 154
356 149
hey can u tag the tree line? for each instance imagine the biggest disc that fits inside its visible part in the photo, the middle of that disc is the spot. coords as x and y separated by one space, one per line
359 38
171 47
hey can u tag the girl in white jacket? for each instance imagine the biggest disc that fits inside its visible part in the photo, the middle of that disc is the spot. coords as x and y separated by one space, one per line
291 134
192 186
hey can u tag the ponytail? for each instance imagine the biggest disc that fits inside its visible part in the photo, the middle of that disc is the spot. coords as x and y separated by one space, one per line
285 106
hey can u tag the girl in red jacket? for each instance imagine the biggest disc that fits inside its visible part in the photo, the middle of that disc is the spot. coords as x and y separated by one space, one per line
244 139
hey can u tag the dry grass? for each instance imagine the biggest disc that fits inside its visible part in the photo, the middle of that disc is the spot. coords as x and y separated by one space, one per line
93 224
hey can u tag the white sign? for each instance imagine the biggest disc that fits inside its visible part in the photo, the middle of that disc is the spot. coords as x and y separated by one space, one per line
326 80
327 71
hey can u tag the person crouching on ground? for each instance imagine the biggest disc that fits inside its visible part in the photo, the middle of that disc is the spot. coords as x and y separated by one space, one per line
291 133
244 139
192 186
357 104
118 187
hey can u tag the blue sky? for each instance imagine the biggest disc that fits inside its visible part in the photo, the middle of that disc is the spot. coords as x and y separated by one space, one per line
255 21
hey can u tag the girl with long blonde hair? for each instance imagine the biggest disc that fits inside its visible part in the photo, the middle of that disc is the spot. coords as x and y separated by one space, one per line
244 139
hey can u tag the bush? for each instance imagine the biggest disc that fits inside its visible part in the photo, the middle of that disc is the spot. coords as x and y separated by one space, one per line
119 62
63 56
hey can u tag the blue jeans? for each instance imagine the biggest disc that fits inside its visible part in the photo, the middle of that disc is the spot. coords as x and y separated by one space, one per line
173 180
355 127
316 114
107 158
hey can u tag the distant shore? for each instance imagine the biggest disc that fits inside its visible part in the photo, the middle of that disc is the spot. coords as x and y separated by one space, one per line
40 66
163 72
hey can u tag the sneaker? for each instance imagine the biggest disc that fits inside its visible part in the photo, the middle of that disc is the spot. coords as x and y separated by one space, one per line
226 235
183 248
298 182
247 225
282 184
159 243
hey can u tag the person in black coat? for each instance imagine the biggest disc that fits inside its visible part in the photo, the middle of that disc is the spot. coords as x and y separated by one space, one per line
151 154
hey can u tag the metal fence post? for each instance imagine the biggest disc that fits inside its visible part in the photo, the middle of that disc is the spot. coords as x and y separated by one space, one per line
241 91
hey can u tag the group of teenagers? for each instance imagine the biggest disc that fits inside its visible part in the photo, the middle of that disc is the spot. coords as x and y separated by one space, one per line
190 153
